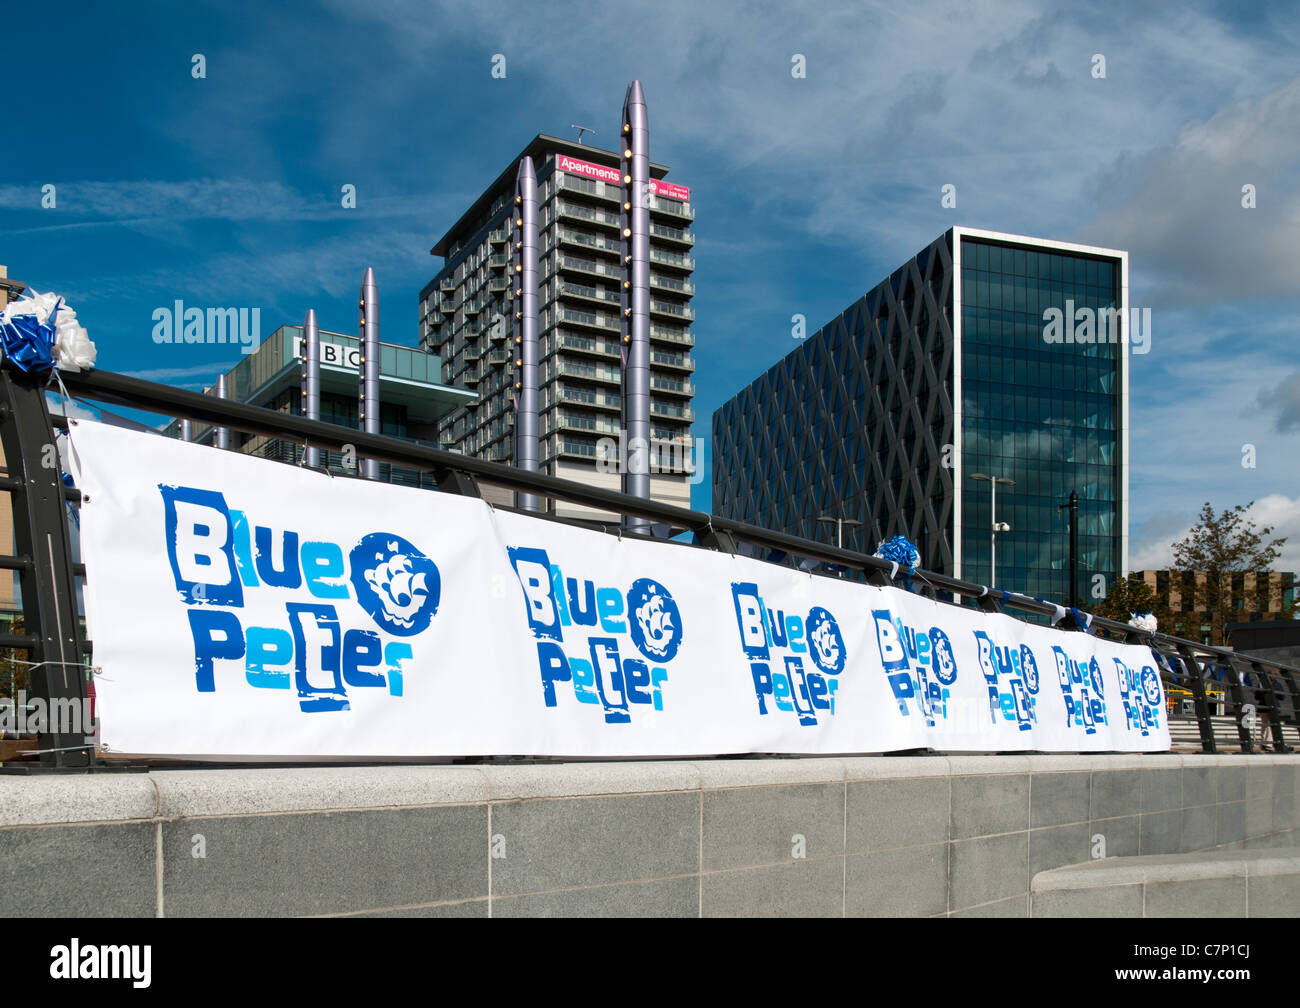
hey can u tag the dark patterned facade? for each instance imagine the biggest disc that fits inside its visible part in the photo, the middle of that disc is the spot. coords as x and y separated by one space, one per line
942 371
856 423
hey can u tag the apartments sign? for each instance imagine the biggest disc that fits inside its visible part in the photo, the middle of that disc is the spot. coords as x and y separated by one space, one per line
586 169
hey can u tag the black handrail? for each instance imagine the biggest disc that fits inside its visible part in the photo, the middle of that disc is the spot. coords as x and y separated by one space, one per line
458 473
163 399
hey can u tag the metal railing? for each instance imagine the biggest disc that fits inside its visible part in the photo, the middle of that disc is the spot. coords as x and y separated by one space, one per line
53 637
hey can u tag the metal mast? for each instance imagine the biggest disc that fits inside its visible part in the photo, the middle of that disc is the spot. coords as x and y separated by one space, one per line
368 403
524 286
635 219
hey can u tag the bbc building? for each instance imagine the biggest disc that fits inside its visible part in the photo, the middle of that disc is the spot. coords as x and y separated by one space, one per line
412 397
987 353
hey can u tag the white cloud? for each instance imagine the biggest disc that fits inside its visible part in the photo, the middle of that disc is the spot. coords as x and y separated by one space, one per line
171 374
60 406
1154 546
996 98
140 202
1183 219
1283 399
229 199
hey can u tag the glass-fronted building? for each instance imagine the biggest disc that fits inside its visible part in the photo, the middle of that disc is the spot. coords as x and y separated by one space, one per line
412 397
986 353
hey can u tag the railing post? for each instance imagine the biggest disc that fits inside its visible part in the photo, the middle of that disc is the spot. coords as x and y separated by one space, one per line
58 674
1274 708
713 539
455 481
1238 702
1196 683
1288 677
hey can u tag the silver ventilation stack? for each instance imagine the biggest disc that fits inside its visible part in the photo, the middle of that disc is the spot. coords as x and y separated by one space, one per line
524 286
310 355
635 219
221 435
187 430
368 402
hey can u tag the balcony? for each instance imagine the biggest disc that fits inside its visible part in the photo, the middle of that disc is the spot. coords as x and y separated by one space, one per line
588 187
599 398
658 408
572 211
588 372
588 319
590 266
672 207
483 325
683 287
590 241
582 449
585 422
666 334
672 259
473 374
674 310
672 234
498 260
672 386
586 344
679 361
590 293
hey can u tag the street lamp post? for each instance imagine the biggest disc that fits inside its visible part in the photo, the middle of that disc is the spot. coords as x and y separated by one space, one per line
839 527
998 526
1074 546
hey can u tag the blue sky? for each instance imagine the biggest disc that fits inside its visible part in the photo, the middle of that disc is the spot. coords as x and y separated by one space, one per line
225 190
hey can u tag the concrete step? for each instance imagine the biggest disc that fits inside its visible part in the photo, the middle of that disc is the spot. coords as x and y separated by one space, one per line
1185 735
1264 882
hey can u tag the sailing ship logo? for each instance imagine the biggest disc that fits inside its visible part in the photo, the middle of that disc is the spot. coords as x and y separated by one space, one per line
395 583
656 625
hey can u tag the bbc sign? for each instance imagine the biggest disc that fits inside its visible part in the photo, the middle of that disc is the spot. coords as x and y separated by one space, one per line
333 355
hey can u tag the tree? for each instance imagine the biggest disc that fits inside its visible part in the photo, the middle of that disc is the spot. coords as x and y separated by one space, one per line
1218 547
1130 596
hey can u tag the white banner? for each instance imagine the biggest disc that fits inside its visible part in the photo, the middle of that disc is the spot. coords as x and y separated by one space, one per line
244 607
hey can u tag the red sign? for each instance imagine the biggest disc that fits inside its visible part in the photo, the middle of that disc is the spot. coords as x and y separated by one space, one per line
670 190
586 169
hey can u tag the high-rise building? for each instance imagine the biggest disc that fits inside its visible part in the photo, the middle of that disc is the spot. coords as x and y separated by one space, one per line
467 318
987 354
